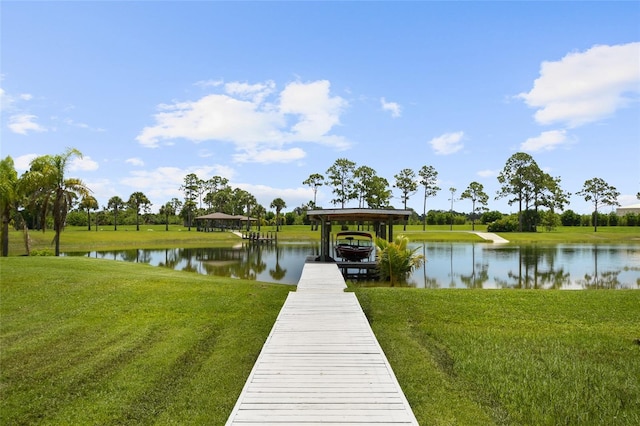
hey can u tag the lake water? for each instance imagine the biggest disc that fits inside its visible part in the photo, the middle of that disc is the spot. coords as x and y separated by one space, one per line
449 265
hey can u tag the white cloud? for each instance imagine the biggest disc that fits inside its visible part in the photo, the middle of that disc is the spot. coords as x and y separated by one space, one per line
268 156
209 83
317 111
103 189
8 102
627 200
5 100
547 141
85 164
393 107
448 143
585 87
301 112
70 122
134 161
213 117
488 173
23 162
255 92
204 153
24 123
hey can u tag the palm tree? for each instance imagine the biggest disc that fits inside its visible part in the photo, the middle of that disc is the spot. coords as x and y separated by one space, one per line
46 180
89 203
250 202
278 204
8 198
116 204
395 260
136 201
259 211
167 210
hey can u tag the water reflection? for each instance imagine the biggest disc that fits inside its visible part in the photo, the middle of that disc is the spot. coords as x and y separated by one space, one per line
280 263
449 265
559 266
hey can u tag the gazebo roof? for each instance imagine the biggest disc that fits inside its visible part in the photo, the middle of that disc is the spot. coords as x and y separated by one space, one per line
359 214
223 216
217 216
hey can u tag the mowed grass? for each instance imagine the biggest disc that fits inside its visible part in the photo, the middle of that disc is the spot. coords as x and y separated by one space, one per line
88 341
155 236
149 237
477 357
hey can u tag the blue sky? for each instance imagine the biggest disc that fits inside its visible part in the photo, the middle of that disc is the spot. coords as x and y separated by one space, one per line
266 93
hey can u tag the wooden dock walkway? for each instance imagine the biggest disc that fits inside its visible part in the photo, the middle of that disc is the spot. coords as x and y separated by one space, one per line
321 363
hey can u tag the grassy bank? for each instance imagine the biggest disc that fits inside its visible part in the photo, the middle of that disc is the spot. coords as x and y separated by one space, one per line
512 357
152 236
86 341
155 236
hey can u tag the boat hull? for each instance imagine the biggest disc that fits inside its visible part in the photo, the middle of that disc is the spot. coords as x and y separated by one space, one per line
354 246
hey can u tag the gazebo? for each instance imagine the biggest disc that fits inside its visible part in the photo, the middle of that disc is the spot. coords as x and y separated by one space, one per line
383 221
220 221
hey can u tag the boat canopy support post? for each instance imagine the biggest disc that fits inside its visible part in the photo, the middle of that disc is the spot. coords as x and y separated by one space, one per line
325 237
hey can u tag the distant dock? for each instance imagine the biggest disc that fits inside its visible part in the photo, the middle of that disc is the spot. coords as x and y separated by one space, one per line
260 237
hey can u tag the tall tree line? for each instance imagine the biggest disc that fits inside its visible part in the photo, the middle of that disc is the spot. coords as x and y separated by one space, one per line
45 194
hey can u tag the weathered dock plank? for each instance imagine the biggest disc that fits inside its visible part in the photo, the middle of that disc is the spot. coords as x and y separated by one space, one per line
321 363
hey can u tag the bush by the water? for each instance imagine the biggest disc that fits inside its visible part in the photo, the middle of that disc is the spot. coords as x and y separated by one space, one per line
396 260
507 224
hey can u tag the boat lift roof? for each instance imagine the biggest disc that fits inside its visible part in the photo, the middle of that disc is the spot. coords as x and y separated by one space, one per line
381 215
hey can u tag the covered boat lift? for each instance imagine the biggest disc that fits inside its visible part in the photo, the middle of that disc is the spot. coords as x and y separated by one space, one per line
382 219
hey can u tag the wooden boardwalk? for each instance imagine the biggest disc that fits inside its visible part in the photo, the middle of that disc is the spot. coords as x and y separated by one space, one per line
321 363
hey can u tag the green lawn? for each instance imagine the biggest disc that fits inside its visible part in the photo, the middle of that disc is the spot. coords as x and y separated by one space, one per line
88 341
516 357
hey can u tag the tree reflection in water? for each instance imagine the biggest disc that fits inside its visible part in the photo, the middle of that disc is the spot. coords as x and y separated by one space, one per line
458 265
531 266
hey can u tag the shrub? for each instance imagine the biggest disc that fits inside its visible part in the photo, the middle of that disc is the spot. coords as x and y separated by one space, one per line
41 252
585 220
603 219
570 218
550 220
631 219
489 217
395 261
508 224
459 219
77 218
